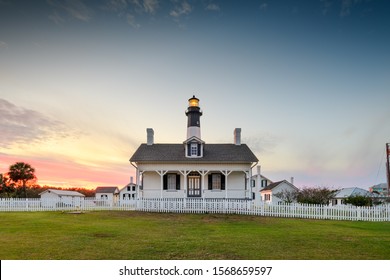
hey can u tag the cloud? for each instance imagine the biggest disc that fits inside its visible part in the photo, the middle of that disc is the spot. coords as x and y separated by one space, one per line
127 8
180 10
262 144
115 5
131 20
213 7
19 125
3 45
56 18
74 8
150 6
347 5
326 5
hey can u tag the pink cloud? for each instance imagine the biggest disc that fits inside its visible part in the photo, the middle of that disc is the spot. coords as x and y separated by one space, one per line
59 172
19 125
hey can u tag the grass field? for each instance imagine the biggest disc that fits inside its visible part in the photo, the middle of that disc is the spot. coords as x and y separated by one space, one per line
137 235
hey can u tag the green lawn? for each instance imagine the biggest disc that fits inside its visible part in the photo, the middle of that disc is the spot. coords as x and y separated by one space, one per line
137 235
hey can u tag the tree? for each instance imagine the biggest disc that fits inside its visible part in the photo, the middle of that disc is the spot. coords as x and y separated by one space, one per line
287 196
21 172
359 200
6 186
318 195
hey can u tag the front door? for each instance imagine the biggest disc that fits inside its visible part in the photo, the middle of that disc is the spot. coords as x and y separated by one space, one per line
194 189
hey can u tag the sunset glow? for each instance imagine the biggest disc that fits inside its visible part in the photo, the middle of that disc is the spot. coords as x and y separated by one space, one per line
80 82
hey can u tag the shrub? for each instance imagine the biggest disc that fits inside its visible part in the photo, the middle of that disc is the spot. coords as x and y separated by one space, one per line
359 200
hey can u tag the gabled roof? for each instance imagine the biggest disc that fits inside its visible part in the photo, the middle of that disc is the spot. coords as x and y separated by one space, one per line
262 177
274 185
347 192
63 193
193 138
380 187
211 153
106 190
128 185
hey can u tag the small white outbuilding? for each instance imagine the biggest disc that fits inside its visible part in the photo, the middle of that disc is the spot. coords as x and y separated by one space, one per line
107 194
53 197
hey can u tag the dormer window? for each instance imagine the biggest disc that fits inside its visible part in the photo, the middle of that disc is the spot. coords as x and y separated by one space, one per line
194 149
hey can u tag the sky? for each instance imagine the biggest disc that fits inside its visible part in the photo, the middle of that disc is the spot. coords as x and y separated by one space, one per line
308 82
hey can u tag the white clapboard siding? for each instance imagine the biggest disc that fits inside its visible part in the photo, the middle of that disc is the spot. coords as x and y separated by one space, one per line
200 205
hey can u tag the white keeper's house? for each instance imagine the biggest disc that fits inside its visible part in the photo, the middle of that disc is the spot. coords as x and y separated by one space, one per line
194 168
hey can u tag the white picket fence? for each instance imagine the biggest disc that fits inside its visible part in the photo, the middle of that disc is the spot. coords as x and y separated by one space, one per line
199 205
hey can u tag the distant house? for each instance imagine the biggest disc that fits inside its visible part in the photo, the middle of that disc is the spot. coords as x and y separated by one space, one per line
264 181
52 197
381 189
344 193
110 194
129 191
267 188
268 193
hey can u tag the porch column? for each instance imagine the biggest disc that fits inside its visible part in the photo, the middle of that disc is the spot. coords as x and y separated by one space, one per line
203 173
226 173
138 182
162 173
137 175
258 187
185 174
248 191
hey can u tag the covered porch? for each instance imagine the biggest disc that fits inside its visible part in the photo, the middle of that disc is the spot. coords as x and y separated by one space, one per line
195 183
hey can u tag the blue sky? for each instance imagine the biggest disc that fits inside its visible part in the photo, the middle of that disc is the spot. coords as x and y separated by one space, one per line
307 81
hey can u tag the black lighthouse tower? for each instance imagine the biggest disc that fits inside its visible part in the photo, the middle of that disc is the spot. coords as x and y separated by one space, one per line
193 113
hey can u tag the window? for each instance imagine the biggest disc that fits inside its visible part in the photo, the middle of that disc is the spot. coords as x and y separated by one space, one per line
171 181
263 183
194 149
128 188
104 196
267 197
216 181
133 188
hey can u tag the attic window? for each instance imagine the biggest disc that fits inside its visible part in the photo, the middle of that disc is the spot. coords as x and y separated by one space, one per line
194 149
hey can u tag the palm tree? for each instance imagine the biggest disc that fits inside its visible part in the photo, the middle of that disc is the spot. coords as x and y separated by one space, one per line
6 187
21 172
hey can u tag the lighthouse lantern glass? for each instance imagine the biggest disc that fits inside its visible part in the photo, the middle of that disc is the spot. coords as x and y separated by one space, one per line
194 102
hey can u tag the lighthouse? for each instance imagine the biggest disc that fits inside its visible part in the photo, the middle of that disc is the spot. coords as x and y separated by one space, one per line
193 114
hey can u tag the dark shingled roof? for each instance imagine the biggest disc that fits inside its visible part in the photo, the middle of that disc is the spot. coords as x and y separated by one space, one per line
271 186
274 185
176 152
106 189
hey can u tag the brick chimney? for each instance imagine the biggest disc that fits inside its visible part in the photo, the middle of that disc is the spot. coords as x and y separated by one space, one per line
150 136
237 136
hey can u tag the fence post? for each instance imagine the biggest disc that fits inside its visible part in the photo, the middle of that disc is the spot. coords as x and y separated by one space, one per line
325 213
359 213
